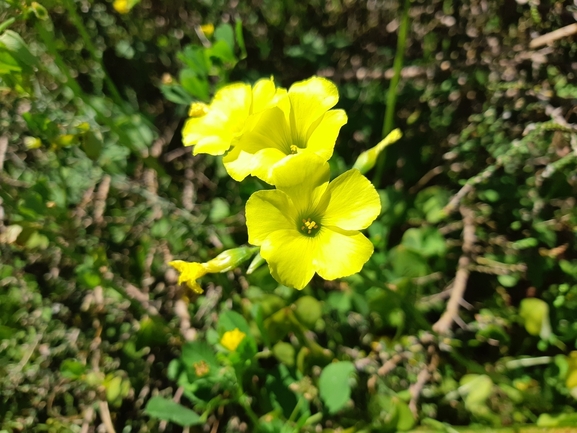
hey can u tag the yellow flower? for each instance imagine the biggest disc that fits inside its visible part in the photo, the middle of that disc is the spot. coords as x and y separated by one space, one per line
207 29
224 262
189 273
309 225
213 129
231 339
301 122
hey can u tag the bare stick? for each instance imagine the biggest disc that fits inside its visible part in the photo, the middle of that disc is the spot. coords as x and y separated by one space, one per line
546 39
443 325
105 416
468 187
3 149
423 377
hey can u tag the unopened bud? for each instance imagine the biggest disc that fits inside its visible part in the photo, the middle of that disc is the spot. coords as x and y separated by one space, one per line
368 158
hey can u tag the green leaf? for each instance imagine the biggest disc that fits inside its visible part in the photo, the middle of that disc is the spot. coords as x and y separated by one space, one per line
535 315
334 386
229 320
16 46
308 310
285 353
168 410
225 33
72 369
193 84
240 38
196 352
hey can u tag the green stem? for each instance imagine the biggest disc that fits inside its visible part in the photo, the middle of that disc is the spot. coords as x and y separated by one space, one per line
7 24
96 56
392 93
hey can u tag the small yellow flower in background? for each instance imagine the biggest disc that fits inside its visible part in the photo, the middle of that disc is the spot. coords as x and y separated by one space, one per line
231 339
301 122
207 29
224 262
121 6
231 112
309 225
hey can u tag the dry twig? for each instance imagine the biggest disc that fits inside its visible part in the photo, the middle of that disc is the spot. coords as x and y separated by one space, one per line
545 39
423 377
443 325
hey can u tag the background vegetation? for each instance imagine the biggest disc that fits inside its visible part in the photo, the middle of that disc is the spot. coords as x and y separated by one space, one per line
464 316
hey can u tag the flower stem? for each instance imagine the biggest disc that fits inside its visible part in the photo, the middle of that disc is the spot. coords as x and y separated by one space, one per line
392 93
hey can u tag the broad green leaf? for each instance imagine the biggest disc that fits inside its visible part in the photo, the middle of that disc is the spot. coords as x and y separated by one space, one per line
334 385
168 410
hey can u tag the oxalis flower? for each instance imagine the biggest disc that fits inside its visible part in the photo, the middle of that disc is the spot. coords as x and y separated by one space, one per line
309 225
300 122
214 128
232 339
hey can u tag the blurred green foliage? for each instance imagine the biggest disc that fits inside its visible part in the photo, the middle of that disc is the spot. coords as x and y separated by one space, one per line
97 195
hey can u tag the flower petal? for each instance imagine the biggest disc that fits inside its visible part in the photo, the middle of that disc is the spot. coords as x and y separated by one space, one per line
354 202
323 138
304 178
267 212
264 163
290 257
238 163
263 93
340 253
310 99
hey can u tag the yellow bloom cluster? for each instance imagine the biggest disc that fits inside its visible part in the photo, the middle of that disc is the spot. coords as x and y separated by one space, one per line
307 224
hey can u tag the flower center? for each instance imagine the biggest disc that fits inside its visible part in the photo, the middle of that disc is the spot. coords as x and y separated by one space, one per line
309 227
294 149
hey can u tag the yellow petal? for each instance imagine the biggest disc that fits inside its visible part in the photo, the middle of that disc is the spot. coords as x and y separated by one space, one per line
265 162
271 130
323 138
267 212
225 119
189 273
263 92
309 100
354 202
304 178
340 253
238 163
290 257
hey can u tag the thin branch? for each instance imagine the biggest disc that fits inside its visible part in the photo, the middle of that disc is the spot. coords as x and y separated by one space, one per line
443 325
3 149
425 179
547 38
424 376
105 416
468 187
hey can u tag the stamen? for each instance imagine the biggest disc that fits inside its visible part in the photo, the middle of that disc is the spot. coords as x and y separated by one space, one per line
294 149
197 109
309 226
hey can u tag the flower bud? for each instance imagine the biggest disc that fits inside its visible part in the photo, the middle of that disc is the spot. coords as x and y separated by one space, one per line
368 158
